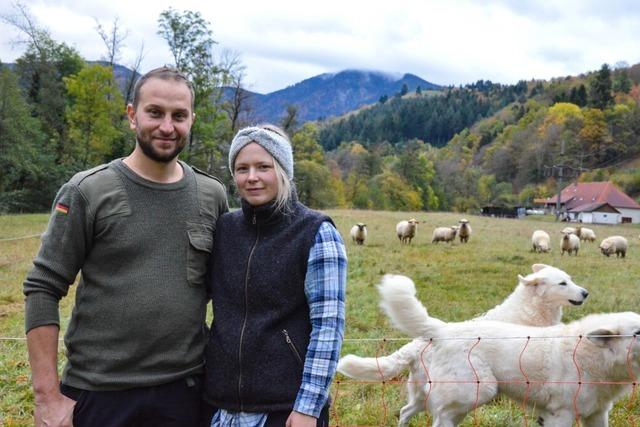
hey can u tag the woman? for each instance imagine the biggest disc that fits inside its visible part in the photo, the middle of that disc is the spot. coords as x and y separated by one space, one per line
277 284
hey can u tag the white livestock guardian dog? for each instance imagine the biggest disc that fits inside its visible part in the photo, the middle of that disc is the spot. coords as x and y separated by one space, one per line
537 301
563 372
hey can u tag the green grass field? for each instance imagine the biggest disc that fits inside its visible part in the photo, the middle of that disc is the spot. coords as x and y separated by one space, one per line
455 282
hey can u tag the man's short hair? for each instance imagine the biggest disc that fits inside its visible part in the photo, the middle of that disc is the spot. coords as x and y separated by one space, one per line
164 73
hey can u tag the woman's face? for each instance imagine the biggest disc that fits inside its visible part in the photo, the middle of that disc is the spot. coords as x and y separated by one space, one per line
255 175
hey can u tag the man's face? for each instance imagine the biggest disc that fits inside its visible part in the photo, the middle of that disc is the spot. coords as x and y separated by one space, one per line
162 119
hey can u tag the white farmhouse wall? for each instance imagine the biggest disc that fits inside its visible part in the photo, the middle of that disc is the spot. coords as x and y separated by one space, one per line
606 218
634 214
585 217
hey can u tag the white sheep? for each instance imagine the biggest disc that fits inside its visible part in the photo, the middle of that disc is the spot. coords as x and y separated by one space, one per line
464 231
585 234
614 245
568 230
406 230
444 234
359 233
541 241
569 243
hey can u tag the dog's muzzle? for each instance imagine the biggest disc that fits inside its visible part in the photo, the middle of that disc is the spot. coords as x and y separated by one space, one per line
585 294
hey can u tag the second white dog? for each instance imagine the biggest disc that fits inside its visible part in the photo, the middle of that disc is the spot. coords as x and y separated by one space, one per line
564 372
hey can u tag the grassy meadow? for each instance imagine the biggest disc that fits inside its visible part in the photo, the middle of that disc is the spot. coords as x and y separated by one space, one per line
455 281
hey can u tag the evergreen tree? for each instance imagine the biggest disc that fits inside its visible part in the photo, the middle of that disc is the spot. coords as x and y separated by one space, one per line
41 70
600 88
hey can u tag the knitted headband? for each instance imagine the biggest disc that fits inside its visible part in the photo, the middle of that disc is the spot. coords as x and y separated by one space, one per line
276 144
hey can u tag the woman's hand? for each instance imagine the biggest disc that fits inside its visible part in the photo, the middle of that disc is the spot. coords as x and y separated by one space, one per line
297 419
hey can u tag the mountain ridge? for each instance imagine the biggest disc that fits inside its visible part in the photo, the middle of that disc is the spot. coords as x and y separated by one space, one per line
331 94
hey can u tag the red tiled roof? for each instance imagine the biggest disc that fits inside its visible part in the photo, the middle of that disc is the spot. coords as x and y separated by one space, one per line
583 193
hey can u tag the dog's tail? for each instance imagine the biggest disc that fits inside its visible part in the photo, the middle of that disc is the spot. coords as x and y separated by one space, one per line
381 368
406 312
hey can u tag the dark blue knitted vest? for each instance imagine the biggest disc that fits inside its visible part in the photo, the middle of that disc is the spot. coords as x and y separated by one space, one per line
261 325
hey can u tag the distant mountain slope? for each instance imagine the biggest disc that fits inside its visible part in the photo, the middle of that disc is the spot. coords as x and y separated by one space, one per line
329 95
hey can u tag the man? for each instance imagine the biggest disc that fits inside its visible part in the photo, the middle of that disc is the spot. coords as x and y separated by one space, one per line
140 231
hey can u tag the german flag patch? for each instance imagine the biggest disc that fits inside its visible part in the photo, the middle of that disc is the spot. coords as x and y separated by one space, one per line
63 209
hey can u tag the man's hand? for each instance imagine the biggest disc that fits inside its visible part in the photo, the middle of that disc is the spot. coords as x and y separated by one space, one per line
297 419
54 410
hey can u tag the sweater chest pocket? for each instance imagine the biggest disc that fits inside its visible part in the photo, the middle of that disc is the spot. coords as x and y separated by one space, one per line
200 246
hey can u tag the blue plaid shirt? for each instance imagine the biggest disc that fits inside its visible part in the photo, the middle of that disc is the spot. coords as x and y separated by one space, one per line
324 287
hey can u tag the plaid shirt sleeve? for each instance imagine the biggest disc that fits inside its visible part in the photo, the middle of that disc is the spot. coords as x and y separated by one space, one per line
325 285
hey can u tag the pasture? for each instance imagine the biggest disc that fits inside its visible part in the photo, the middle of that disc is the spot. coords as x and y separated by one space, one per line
455 282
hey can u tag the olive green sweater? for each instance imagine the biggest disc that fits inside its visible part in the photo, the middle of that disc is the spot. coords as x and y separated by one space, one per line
141 249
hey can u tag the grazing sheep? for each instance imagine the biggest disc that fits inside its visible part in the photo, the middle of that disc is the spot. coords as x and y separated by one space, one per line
406 230
444 234
359 233
614 245
464 232
569 243
585 234
568 230
541 241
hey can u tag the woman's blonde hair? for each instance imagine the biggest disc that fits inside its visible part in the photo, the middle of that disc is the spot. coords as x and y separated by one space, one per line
284 188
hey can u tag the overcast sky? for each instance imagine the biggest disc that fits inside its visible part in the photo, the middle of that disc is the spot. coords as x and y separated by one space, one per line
282 42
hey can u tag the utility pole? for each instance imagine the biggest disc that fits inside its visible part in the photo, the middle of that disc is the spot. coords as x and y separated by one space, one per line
562 171
560 168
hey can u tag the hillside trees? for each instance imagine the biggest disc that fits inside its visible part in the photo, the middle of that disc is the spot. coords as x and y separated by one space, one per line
317 186
417 170
434 119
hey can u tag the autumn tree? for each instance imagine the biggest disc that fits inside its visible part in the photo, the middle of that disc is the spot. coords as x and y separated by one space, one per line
305 144
418 171
388 191
594 135
313 184
94 116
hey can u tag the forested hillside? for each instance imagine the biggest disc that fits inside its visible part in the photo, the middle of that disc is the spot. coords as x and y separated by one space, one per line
456 148
507 144
431 117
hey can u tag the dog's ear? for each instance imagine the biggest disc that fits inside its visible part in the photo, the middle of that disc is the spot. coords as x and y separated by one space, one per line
537 267
601 337
529 280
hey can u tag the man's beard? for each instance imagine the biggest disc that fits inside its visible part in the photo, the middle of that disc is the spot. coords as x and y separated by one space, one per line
144 141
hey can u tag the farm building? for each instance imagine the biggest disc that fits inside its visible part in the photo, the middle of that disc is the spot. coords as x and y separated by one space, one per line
596 213
595 202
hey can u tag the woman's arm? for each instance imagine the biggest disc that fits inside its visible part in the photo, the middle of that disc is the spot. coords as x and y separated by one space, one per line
325 285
